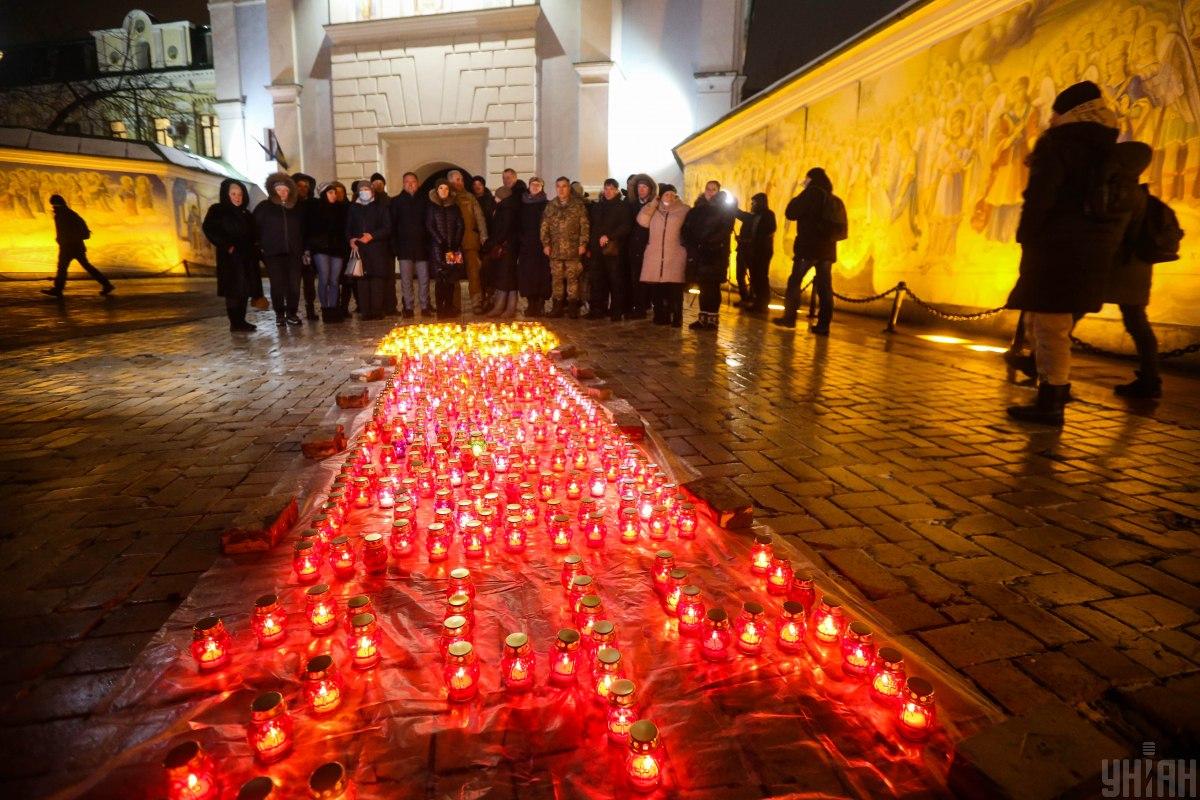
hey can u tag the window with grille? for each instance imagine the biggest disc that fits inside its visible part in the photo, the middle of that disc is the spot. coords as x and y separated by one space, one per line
210 135
162 131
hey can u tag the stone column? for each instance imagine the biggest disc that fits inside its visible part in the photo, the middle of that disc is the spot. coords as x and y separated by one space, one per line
594 88
284 86
230 101
716 94
285 98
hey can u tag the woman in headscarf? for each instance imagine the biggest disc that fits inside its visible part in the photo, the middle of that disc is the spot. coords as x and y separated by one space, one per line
230 227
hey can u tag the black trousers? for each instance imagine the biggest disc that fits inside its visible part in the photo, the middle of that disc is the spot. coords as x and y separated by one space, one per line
371 295
446 296
1138 326
667 301
760 281
389 287
284 272
68 254
710 296
606 280
638 296
822 285
742 270
308 279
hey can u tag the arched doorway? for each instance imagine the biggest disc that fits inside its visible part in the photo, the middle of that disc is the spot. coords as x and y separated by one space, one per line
431 173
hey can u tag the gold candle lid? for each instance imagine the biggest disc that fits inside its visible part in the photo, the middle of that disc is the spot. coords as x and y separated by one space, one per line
459 649
259 788
608 655
328 781
643 732
921 689
890 656
358 601
603 627
460 574
267 705
318 590
182 754
568 636
516 640
590 601
621 688
266 601
318 666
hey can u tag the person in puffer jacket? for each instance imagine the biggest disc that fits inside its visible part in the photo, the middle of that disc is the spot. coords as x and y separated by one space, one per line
444 224
280 229
665 261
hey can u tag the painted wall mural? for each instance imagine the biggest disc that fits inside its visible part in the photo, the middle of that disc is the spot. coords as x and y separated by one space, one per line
930 154
140 222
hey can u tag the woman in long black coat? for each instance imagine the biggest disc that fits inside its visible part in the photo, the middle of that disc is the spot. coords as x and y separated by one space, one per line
369 229
230 227
533 266
444 223
504 241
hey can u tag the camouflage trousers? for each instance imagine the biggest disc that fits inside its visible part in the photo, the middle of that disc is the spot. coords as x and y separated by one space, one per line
568 272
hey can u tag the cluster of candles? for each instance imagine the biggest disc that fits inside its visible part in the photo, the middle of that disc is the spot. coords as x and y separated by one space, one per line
192 775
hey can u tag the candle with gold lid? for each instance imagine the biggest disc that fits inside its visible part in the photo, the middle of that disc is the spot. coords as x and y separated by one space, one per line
917 713
644 763
887 679
606 670
761 553
374 554
461 672
268 620
270 730
564 657
779 577
517 664
210 644
717 636
858 649
330 782
828 621
621 711
323 685
789 630
191 774
320 609
690 610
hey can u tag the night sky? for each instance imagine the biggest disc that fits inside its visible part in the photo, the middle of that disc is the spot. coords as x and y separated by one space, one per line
26 21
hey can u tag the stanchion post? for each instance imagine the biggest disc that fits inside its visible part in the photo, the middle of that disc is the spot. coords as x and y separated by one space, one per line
897 301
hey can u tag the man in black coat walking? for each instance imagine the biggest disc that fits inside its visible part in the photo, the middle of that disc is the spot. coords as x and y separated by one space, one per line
608 278
70 231
815 247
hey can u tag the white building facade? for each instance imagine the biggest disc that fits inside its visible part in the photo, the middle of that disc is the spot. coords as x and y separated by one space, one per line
584 88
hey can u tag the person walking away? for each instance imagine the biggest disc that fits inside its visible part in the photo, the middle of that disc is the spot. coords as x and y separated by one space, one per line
706 232
533 268
1079 201
820 218
609 231
504 244
369 231
411 243
229 226
564 236
475 233
665 261
325 239
280 232
70 231
755 248
306 202
444 224
644 191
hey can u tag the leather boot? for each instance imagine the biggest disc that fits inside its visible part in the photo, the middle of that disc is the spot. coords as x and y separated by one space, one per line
237 321
310 311
1047 409
535 307
573 309
557 309
1144 387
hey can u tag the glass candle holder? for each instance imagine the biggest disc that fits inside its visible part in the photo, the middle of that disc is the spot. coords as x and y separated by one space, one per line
386 496
604 634
581 585
574 486
751 628
487 524
761 553
676 580
779 576
529 508
191 774
572 567
664 562
587 506
547 485
690 611
629 526
643 765
445 518
323 686
560 532
621 711
474 542
330 782
590 610
460 604
461 582
464 512
210 644
597 484
461 672
647 499
270 728
362 493
514 534
257 788
858 649
828 621
442 501
268 621
306 563
789 630
606 670
456 628
403 540
887 676
342 557
596 530
803 591
320 609
717 636
660 522
564 657
917 713
437 542
517 664
374 554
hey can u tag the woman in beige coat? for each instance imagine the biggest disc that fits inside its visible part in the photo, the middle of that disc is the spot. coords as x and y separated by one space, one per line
665 261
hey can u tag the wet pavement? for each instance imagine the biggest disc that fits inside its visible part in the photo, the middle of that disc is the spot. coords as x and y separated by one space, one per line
1047 567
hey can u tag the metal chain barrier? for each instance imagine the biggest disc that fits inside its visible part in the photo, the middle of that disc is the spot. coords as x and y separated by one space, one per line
937 312
1092 349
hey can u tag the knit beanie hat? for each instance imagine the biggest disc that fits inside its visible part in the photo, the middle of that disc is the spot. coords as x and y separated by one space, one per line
663 188
57 200
1072 96
375 176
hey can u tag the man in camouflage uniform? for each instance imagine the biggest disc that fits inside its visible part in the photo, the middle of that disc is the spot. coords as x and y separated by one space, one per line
565 239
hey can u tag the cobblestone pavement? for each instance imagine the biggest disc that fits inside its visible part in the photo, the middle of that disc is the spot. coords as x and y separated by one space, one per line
1046 567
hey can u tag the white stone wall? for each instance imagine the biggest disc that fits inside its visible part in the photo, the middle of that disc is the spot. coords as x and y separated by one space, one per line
483 81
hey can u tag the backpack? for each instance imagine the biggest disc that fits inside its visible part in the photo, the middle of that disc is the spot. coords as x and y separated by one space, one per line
1112 186
835 218
1159 236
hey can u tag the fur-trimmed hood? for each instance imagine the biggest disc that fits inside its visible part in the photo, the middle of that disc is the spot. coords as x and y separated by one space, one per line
437 201
325 187
229 183
276 179
642 177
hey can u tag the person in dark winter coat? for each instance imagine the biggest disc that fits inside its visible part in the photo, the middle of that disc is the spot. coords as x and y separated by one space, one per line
1128 286
410 242
755 248
280 231
503 245
391 305
230 227
306 202
444 224
1068 247
815 247
325 238
644 191
70 231
487 200
608 232
533 265
369 231
706 232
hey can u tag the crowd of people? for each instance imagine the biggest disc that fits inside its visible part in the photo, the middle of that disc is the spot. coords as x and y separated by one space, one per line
628 254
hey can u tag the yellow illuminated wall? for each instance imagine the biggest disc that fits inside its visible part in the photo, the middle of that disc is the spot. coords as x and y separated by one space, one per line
929 154
144 217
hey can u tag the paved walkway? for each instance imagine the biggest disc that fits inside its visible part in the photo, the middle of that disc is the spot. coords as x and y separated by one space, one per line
1045 566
